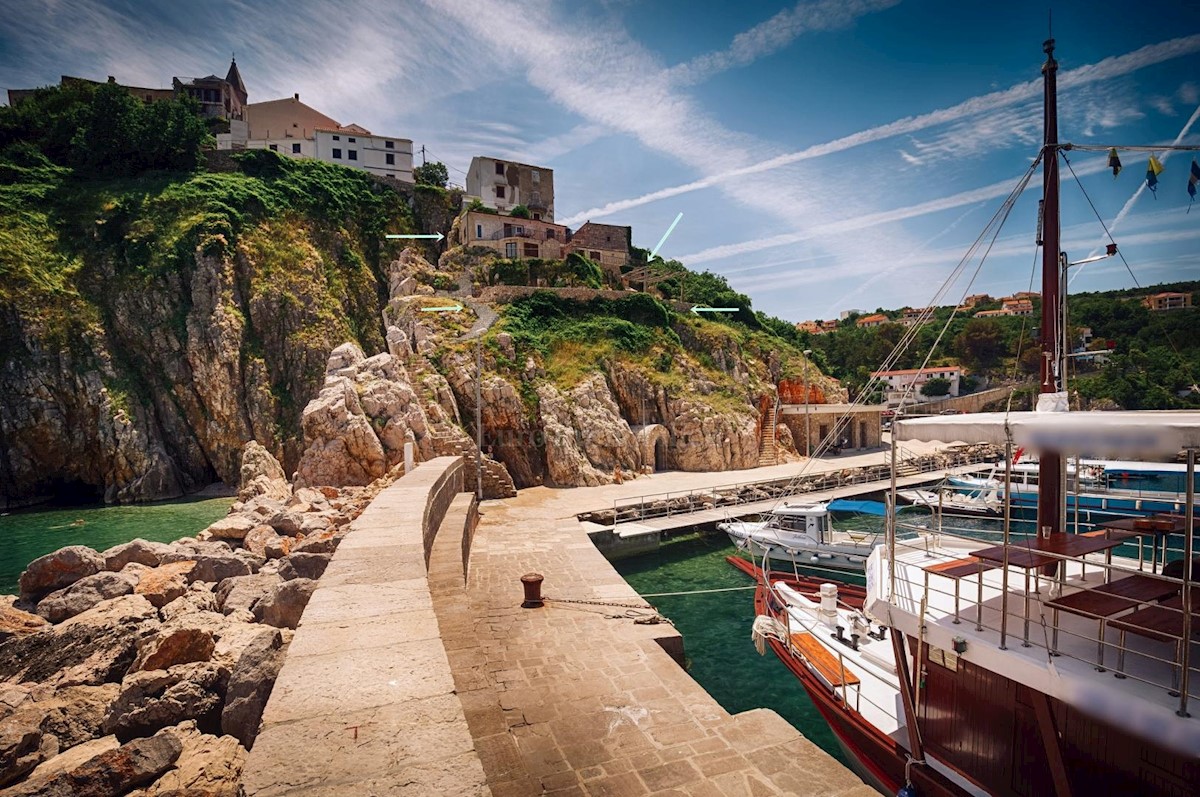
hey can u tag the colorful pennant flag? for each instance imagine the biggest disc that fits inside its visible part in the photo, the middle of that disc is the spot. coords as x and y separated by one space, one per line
1193 179
1153 170
1114 161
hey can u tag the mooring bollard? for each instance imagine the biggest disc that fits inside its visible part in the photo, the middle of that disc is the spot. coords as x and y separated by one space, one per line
532 582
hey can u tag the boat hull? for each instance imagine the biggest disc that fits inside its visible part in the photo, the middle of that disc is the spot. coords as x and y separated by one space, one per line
807 555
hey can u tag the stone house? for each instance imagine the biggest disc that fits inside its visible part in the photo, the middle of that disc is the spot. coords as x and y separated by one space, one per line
878 319
502 185
513 237
1160 302
605 244
219 98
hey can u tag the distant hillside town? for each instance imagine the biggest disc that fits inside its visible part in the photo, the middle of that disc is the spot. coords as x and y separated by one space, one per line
507 206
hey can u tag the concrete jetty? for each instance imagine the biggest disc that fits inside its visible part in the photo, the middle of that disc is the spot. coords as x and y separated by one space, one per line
415 671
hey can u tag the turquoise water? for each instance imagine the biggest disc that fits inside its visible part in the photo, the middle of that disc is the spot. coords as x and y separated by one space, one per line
716 631
27 534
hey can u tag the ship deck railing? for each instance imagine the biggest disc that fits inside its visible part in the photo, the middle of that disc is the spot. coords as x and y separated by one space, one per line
1125 596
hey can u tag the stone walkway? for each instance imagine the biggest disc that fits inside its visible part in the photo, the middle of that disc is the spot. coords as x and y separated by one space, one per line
577 699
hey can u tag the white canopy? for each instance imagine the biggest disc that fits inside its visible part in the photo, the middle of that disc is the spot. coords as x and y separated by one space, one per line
1109 434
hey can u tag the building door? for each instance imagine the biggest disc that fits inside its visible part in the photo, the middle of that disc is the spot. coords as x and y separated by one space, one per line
863 442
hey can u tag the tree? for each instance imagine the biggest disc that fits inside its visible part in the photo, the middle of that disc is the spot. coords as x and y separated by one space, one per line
936 387
981 343
519 212
432 173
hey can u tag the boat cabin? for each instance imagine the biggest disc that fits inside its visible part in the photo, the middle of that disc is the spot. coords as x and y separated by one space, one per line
811 520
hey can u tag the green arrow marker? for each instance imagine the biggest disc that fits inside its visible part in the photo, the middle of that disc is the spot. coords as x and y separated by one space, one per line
663 240
699 310
437 237
454 308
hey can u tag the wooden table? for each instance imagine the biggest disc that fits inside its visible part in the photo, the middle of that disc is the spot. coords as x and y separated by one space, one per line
1155 526
1164 623
1109 599
1034 552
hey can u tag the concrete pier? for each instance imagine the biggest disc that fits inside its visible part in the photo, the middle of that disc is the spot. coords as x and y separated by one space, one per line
415 671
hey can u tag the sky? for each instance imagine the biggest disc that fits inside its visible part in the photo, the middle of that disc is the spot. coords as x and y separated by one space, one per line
826 155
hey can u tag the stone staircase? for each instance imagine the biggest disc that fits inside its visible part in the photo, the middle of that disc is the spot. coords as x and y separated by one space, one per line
768 443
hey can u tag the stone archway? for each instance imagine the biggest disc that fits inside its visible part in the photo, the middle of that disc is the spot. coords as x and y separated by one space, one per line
654 443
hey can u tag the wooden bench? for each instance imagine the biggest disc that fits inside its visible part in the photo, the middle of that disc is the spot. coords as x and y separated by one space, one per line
958 569
1107 600
824 662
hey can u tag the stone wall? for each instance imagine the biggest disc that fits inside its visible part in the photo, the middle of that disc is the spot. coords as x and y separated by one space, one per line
365 702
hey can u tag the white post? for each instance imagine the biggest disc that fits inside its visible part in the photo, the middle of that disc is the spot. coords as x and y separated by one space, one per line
807 420
408 457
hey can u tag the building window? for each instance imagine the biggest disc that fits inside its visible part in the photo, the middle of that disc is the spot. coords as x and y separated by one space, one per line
536 175
352 140
499 192
531 250
337 153
537 216
499 168
390 158
352 154
550 235
337 138
478 230
594 256
295 149
510 249
535 197
389 145
273 147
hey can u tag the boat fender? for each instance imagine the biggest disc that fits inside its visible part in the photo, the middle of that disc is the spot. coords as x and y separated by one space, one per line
908 790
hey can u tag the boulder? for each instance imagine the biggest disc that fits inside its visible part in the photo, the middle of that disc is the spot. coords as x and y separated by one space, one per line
72 757
242 592
321 542
163 584
153 699
59 569
199 599
172 646
20 750
287 523
257 538
250 684
231 527
252 560
261 474
217 568
84 594
314 523
208 766
303 565
93 647
72 715
111 772
280 546
14 622
141 551
284 605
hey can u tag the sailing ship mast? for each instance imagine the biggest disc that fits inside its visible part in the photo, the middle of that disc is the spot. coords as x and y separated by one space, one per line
1050 477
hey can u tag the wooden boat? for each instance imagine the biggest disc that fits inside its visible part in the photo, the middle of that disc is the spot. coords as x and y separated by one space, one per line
1045 665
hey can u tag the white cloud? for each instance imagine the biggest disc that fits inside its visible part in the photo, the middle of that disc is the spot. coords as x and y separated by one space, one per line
775 34
1023 92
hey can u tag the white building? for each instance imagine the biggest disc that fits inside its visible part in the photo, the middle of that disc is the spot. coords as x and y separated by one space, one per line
901 381
296 130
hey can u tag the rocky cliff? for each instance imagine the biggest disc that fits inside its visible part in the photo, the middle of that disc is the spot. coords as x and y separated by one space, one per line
152 327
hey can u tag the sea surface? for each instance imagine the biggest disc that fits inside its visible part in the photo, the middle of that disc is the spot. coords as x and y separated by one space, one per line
27 534
716 630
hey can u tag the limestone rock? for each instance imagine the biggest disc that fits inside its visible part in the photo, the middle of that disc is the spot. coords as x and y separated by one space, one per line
286 523
199 598
139 550
93 647
72 715
14 622
20 750
153 699
280 546
284 605
163 584
231 527
72 757
303 565
261 474
250 685
115 771
216 568
172 646
59 569
84 594
321 542
565 460
208 766
341 445
243 592
257 538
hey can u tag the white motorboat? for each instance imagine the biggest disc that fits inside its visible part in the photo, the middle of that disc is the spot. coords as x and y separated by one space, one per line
801 533
980 503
